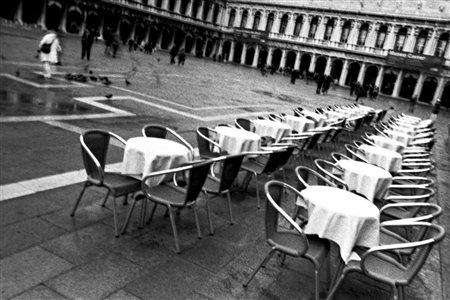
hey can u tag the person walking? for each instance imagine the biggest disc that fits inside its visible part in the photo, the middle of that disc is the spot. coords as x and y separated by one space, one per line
173 54
87 39
359 91
412 103
49 47
435 110
181 57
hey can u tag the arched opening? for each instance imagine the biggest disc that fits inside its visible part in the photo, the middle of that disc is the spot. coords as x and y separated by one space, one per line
244 19
400 39
353 72
362 36
283 24
381 36
125 30
445 98
389 79
74 19
262 60
111 21
305 61
179 38
290 59
269 23
153 36
313 27
256 20
54 15
442 45
298 25
421 41
209 48
345 31
226 50
249 56
238 52
408 84
336 69
188 44
139 33
371 76
321 64
232 17
276 58
166 38
328 30
31 10
428 90
199 47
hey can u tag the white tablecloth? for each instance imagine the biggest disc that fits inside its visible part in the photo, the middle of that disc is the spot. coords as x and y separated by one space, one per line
389 160
404 130
366 179
235 141
399 136
343 217
300 124
144 155
388 143
320 119
275 129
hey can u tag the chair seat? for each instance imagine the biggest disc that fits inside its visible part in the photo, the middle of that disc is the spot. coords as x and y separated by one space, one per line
213 154
211 185
168 194
291 243
383 268
388 238
120 184
252 165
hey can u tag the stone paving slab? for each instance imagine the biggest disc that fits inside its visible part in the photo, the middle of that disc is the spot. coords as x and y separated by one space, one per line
39 292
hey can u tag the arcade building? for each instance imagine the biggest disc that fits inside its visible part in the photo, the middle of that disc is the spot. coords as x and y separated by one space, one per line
401 46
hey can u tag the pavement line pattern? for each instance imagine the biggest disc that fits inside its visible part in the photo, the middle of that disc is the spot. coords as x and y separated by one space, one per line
46 86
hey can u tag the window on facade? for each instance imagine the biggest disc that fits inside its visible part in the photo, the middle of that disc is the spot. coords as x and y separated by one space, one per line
205 10
269 22
244 18
362 34
171 5
283 24
158 3
442 45
381 36
256 20
183 6
195 5
400 39
345 31
328 30
232 17
313 27
216 13
421 41
298 26
145 2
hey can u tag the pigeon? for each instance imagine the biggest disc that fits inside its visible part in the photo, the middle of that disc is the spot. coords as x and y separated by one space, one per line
108 96
105 80
18 73
127 82
93 78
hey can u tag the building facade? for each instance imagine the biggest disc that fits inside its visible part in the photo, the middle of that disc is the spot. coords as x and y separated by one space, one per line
401 46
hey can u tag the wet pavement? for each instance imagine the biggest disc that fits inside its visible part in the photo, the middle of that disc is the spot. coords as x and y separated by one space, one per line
45 254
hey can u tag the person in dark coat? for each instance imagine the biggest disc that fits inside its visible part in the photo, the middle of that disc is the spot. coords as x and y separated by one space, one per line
87 39
412 103
173 54
181 57
294 76
435 110
320 80
352 87
360 91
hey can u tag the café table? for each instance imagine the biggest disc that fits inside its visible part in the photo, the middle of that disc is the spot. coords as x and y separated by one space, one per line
343 217
389 160
235 140
145 155
318 118
275 129
365 179
403 138
299 124
404 130
388 143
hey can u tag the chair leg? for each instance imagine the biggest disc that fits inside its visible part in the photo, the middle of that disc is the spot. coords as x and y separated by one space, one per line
317 283
106 198
116 229
143 212
174 229
130 212
208 212
258 202
230 211
334 286
152 213
197 223
125 199
78 200
261 265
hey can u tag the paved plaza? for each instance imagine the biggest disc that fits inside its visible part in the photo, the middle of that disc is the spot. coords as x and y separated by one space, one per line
46 254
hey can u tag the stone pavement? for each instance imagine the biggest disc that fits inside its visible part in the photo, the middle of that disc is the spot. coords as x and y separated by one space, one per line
45 254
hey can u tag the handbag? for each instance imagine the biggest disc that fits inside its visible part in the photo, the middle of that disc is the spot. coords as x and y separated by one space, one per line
45 48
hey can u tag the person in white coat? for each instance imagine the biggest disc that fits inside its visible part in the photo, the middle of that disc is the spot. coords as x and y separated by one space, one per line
49 47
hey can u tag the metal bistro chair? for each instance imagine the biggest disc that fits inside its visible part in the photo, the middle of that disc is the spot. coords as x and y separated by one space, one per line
160 131
245 124
355 153
220 185
207 147
172 195
289 240
94 149
331 172
336 156
377 264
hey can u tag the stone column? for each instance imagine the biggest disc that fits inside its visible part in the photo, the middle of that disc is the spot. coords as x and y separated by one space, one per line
380 76
256 56
419 85
447 52
43 16
18 14
430 46
172 40
177 6
276 23
210 14
189 8
439 89
354 32
244 53
398 84
320 28
158 41
344 73
283 58
200 11
410 40
263 21
297 61
291 25
328 66
269 57
306 23
62 23
362 73
183 43
251 19
205 44
312 65
337 30
390 38
372 35
133 31
219 49
230 58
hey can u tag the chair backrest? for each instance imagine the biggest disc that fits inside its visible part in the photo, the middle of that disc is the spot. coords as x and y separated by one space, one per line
231 165
434 234
413 180
154 130
245 124
307 176
205 142
414 211
94 149
274 160
355 153
336 156
287 154
313 140
330 171
275 193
